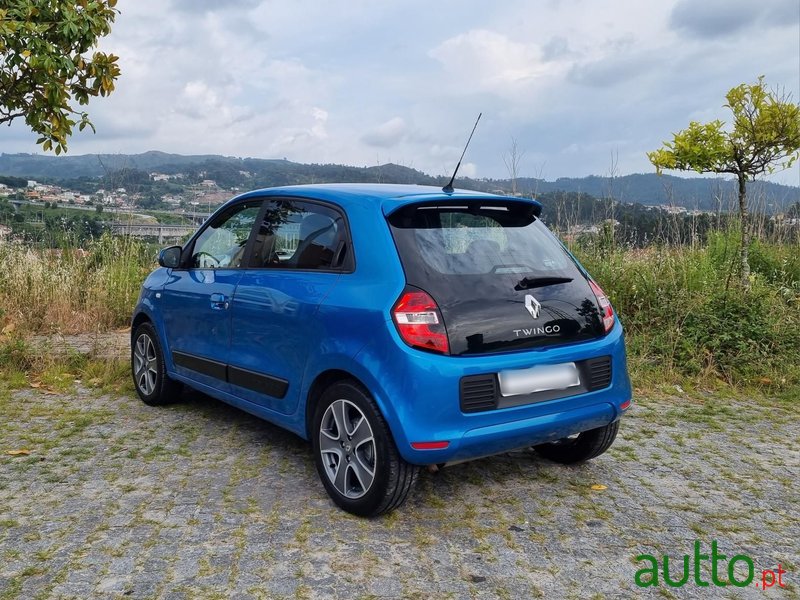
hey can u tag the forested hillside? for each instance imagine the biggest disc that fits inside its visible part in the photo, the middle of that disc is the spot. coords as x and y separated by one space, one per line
703 193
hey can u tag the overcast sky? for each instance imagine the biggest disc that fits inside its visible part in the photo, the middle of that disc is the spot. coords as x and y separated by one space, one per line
583 86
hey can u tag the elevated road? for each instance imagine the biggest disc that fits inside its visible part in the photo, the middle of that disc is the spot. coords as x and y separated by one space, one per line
162 232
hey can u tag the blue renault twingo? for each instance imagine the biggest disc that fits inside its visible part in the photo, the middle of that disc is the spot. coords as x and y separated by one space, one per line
393 326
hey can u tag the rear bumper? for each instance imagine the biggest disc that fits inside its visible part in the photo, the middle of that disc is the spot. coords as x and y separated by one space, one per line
420 398
492 439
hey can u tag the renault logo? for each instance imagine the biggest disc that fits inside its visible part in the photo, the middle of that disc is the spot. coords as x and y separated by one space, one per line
532 306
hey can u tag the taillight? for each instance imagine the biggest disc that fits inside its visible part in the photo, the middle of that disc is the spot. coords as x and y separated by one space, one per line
605 306
419 321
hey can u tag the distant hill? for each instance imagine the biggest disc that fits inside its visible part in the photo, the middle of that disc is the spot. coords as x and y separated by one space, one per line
250 173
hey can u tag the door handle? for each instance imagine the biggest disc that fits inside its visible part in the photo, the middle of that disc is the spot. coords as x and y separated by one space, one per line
219 301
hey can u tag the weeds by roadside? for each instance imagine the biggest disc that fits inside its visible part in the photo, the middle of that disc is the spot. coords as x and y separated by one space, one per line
24 365
71 290
686 318
687 321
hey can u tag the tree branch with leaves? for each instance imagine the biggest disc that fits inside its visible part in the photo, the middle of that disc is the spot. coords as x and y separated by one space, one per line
45 66
763 137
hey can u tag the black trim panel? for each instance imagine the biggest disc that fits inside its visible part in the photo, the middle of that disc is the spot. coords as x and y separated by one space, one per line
479 393
258 382
206 366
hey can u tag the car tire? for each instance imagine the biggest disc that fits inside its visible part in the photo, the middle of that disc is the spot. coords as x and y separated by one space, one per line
149 372
585 446
349 431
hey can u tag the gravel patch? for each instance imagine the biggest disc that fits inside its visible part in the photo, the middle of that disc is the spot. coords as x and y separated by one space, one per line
200 500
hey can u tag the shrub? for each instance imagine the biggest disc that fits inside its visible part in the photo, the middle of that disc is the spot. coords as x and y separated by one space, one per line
686 315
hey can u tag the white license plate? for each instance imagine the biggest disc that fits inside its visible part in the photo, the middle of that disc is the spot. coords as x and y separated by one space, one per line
538 379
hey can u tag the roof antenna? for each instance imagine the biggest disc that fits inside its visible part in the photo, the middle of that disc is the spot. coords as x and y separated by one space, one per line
448 189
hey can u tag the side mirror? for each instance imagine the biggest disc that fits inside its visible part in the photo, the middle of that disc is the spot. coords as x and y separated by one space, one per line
170 257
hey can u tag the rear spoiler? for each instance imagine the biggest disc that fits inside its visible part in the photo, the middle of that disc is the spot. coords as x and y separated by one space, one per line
465 199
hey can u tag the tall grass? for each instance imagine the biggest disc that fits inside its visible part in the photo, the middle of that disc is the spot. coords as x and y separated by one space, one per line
71 290
685 313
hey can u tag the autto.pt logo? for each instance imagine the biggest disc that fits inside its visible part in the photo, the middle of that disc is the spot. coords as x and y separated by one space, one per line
739 570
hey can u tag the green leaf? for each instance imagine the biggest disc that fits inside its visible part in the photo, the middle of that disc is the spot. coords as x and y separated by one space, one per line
44 46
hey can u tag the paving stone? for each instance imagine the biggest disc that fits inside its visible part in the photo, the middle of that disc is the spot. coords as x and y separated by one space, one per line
199 499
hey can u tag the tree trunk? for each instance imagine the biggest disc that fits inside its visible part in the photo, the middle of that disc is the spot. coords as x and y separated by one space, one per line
743 217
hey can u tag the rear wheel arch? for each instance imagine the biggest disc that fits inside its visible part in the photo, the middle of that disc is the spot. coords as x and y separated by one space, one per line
322 382
332 376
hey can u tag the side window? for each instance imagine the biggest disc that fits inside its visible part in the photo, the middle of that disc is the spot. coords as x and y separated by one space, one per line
223 242
300 235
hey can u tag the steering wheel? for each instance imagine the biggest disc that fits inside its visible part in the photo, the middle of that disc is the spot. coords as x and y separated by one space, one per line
206 255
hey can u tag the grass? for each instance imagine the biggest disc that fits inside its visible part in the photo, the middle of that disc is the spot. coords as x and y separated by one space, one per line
71 290
689 324
26 366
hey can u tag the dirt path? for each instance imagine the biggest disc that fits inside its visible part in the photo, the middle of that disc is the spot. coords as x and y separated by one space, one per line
200 500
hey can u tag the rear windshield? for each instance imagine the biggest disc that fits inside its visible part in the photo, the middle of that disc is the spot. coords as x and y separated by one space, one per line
498 238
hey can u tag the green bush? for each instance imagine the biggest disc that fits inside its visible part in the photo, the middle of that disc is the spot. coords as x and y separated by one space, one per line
686 315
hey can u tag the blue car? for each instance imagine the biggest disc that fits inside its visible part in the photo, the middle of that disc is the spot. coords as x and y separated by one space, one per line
393 326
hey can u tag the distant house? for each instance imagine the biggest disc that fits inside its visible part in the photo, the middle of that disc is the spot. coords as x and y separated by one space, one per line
208 183
675 210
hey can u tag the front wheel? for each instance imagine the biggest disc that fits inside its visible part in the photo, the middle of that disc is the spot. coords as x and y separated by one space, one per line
148 369
582 447
355 454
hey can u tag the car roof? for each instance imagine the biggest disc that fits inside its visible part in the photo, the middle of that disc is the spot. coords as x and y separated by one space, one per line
390 197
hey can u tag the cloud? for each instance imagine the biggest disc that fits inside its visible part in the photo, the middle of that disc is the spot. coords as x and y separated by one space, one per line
318 81
720 18
468 169
387 134
611 70
194 6
557 48
488 59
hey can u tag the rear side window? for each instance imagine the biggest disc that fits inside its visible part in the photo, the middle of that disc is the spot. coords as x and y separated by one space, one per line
475 239
300 235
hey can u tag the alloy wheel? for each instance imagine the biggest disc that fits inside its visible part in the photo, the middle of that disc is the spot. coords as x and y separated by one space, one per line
145 364
347 448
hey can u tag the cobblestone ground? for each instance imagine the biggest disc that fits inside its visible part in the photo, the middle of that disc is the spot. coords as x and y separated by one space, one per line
200 500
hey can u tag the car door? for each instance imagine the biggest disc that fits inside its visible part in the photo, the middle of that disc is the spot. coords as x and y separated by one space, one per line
299 252
196 299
